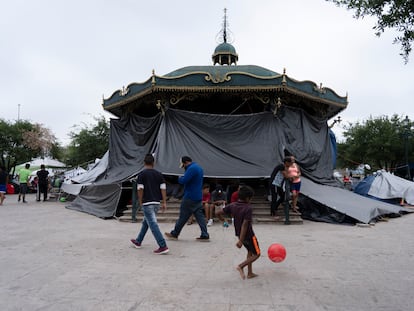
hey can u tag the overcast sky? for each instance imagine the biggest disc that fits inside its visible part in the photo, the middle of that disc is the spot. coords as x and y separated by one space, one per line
58 58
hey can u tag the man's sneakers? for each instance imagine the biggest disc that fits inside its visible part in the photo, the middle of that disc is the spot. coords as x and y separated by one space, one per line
170 236
203 239
135 243
210 222
161 250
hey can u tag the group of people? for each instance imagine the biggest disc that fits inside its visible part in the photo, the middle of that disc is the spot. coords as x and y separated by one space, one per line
151 187
216 200
24 175
285 184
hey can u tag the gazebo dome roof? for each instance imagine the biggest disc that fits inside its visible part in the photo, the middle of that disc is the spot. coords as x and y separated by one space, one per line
225 48
225 54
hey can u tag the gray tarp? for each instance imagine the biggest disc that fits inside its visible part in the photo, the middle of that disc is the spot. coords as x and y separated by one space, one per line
245 146
98 169
100 201
348 203
388 186
227 146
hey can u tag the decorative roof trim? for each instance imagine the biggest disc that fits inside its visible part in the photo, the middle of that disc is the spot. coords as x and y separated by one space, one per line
315 98
319 87
128 100
209 74
229 89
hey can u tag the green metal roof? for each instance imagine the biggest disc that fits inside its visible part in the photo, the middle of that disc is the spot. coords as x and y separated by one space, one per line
225 48
252 70
224 78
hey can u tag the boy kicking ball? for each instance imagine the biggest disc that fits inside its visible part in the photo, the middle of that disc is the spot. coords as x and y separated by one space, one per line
242 213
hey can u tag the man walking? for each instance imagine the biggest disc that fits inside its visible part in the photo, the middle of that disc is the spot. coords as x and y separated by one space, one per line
192 199
43 183
151 190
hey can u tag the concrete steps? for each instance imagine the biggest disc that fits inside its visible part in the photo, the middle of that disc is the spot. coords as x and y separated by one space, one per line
261 214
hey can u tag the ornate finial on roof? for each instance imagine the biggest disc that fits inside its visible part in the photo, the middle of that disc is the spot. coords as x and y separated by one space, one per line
153 78
225 53
225 35
225 26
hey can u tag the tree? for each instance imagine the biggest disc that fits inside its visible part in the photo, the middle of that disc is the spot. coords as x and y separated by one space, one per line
376 141
89 142
21 141
397 14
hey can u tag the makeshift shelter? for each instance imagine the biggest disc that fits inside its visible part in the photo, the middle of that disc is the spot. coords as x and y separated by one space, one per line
386 186
74 185
236 121
338 205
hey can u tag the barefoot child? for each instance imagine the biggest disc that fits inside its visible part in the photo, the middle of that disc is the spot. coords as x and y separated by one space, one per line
242 213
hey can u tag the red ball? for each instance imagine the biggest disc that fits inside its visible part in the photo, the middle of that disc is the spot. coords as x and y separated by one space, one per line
276 252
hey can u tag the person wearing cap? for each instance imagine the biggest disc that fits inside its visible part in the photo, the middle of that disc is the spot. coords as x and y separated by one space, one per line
191 203
218 201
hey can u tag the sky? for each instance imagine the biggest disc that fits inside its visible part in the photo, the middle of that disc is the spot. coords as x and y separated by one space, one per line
59 58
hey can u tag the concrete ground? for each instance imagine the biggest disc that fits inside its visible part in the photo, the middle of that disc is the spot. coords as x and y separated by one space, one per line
53 258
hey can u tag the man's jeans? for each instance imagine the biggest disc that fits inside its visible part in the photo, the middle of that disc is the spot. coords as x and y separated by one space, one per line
187 208
150 221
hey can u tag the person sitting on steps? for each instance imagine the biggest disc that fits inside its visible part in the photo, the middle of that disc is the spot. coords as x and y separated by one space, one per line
218 200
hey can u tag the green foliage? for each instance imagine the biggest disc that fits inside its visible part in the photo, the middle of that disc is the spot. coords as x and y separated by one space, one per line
56 151
397 14
380 142
88 143
14 145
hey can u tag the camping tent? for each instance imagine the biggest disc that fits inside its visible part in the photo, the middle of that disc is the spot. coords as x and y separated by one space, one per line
385 186
47 161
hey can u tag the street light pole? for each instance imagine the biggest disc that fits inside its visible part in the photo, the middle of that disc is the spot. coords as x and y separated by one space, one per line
407 129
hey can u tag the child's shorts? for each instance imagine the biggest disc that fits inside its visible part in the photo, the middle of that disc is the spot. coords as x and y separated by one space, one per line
252 245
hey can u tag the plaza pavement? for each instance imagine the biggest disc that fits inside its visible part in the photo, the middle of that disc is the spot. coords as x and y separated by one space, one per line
53 258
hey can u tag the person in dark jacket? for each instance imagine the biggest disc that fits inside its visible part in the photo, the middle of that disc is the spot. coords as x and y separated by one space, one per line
192 180
43 182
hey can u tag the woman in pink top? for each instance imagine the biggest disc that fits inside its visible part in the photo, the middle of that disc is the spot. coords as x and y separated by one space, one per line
293 173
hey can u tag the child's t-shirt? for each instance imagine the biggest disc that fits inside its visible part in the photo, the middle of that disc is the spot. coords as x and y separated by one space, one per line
241 211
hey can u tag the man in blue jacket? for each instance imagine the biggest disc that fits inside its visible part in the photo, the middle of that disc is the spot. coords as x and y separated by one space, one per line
192 180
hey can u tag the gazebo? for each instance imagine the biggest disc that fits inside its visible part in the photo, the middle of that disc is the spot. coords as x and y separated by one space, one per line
190 109
236 121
